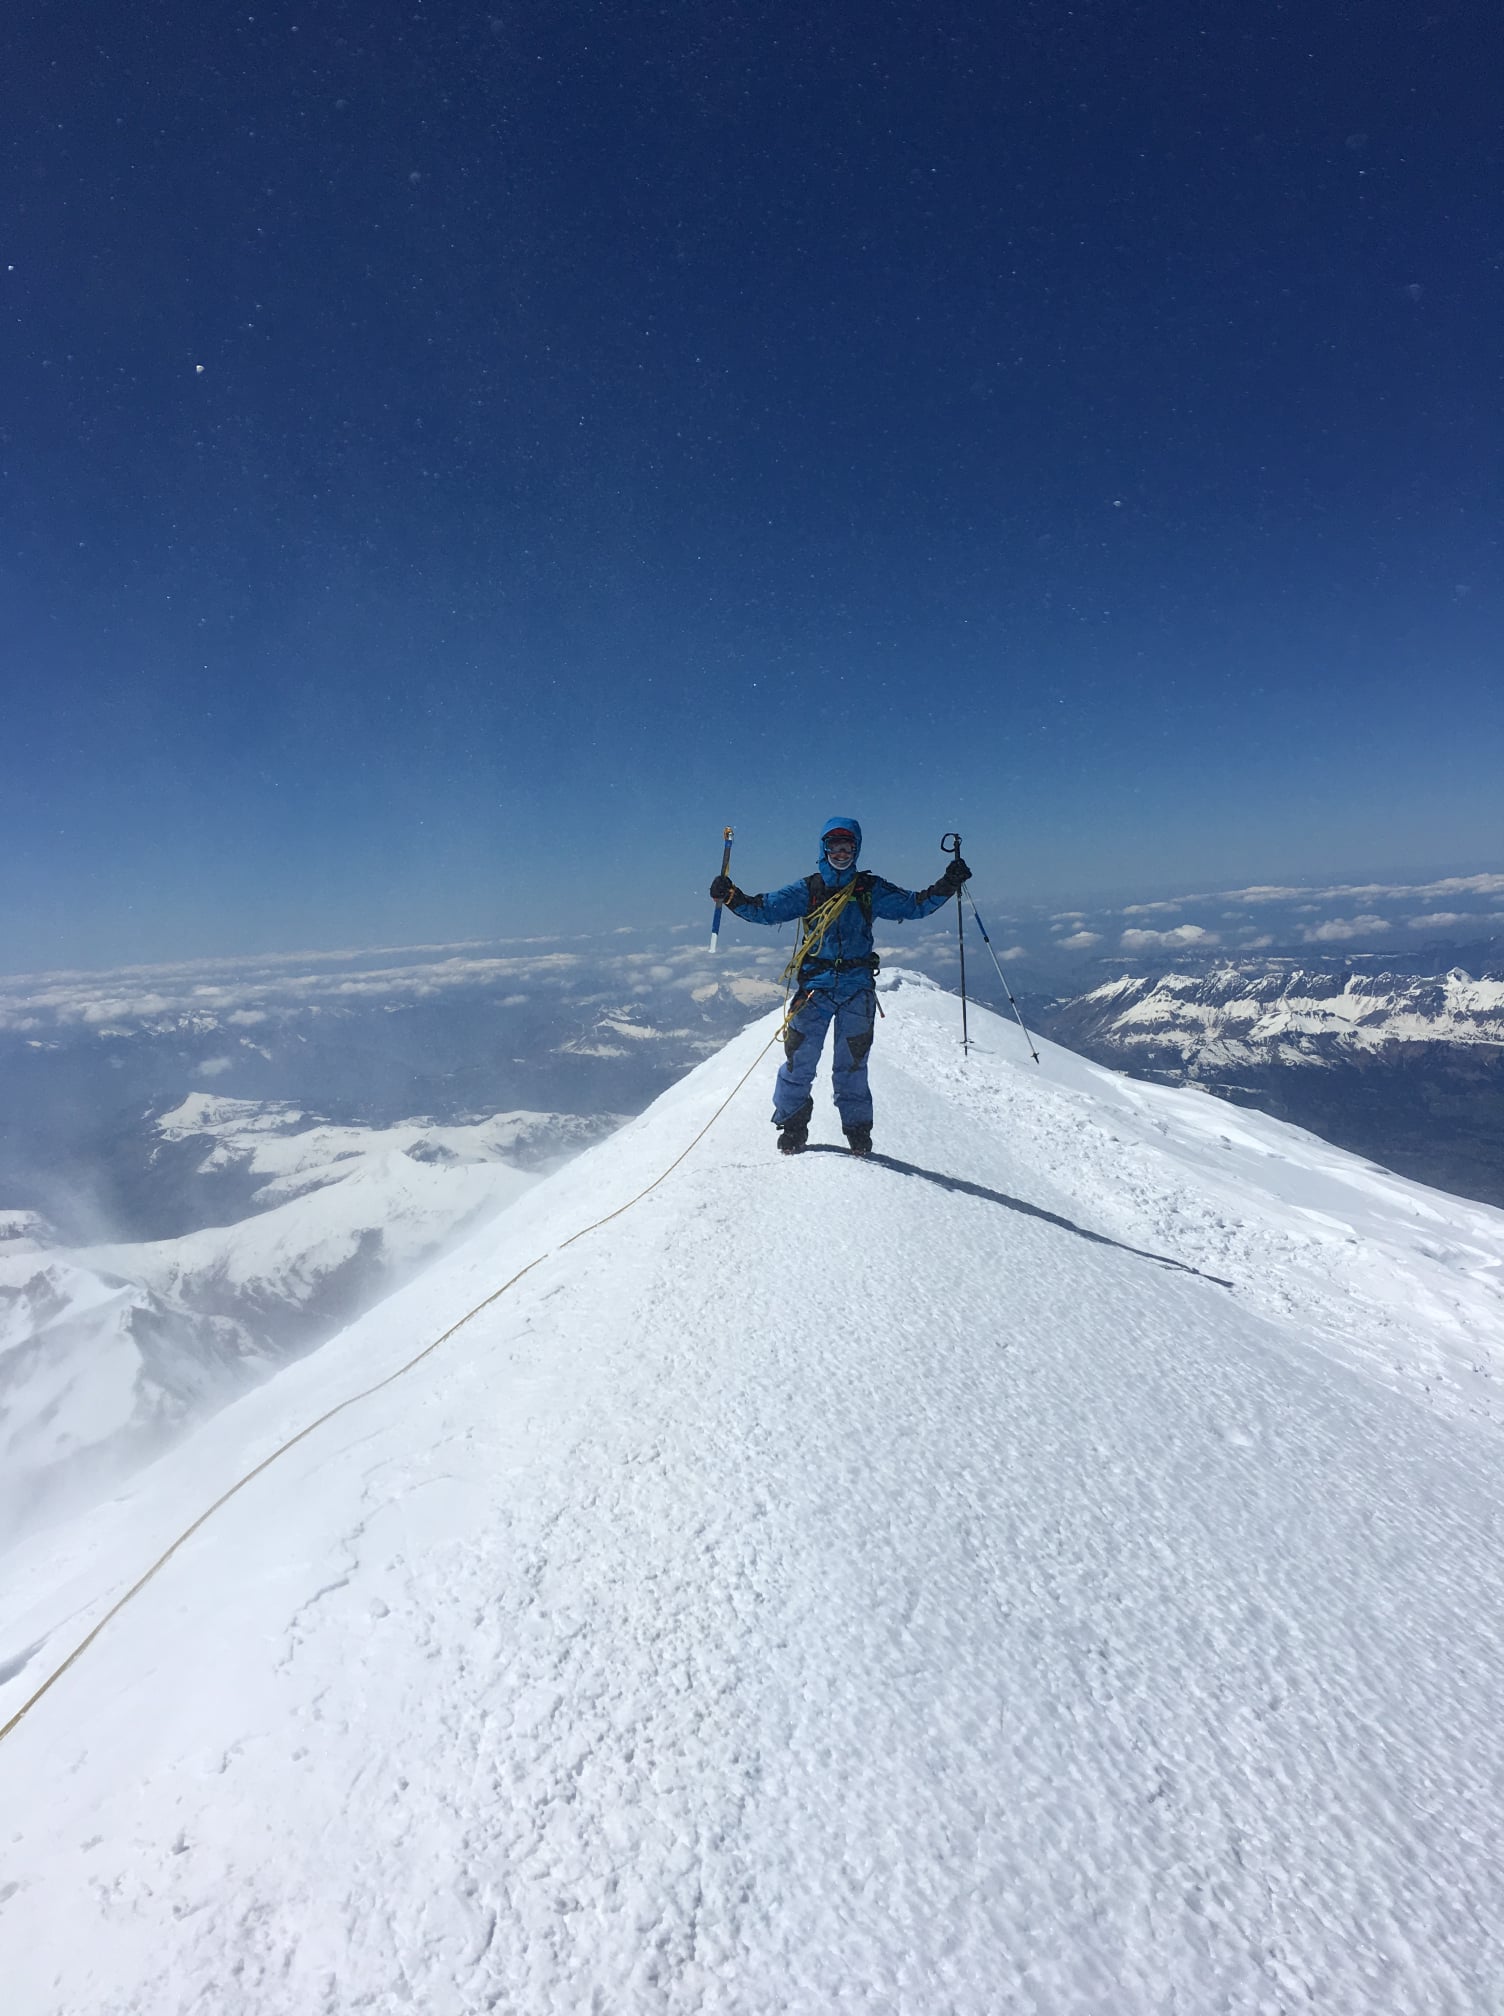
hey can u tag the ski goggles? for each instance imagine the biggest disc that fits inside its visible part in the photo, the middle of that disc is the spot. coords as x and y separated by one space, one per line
840 843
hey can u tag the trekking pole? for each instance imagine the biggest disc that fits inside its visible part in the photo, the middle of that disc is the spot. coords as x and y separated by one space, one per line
951 844
1006 988
715 922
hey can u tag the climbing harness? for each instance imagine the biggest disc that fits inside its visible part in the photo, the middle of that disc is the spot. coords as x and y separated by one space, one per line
805 963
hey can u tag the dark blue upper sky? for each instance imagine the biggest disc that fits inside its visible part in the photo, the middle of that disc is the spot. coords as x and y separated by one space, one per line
455 459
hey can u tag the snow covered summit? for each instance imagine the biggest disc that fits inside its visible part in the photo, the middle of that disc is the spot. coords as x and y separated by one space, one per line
1053 1566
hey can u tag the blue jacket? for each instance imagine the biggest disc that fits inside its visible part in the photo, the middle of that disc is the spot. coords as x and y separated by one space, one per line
845 962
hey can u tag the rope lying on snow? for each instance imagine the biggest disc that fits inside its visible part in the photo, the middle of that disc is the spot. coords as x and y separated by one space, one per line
355 1398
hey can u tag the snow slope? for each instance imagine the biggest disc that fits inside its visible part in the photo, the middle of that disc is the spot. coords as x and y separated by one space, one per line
907 1586
107 1350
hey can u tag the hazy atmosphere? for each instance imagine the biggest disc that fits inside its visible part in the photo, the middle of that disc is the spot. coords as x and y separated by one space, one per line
456 459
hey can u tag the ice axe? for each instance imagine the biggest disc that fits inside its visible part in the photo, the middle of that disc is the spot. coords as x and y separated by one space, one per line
715 922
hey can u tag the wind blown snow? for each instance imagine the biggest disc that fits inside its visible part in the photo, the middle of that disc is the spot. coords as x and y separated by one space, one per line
1052 1567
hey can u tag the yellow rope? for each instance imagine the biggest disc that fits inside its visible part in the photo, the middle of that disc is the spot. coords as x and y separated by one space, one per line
812 929
354 1399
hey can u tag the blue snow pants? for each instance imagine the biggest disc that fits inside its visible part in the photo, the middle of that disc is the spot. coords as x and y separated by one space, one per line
814 1008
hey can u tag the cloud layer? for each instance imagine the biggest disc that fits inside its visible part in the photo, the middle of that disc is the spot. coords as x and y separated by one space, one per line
1136 940
245 995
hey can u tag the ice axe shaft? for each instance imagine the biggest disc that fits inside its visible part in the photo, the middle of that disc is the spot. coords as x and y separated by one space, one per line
715 923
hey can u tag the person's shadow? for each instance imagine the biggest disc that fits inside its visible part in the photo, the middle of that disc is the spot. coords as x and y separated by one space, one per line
965 1189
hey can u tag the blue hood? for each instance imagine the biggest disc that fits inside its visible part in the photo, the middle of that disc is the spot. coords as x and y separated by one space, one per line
832 879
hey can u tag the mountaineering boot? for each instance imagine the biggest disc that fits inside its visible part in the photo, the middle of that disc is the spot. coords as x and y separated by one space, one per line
793 1133
859 1139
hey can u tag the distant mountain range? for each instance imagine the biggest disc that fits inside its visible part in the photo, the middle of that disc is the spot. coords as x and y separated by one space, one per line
77 1121
108 1349
162 1250
1406 1069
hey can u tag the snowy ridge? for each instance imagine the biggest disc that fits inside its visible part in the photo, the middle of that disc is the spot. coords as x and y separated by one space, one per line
106 1350
890 1586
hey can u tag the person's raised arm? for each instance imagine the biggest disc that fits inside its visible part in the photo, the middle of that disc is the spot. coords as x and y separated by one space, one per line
897 905
780 906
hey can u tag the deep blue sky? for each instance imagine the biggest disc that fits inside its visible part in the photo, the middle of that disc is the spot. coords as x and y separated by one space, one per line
455 459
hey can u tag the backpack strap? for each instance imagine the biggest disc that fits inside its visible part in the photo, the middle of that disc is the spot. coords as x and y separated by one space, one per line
862 890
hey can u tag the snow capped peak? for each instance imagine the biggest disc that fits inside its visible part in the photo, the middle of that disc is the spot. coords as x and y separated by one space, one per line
25 1232
203 1113
894 978
1264 1011
817 1583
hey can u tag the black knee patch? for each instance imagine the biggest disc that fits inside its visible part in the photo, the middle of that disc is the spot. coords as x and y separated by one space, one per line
792 1038
859 1046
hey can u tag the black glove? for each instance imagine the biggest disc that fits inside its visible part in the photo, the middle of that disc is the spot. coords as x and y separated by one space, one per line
724 890
956 873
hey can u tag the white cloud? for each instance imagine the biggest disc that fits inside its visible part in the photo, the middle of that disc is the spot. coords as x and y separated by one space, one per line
1014 952
115 1008
1080 940
1179 935
212 1067
1262 893
1439 920
280 984
1338 928
754 993
1461 885
1452 885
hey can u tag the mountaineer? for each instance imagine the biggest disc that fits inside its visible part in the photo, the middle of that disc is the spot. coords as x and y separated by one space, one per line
835 975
